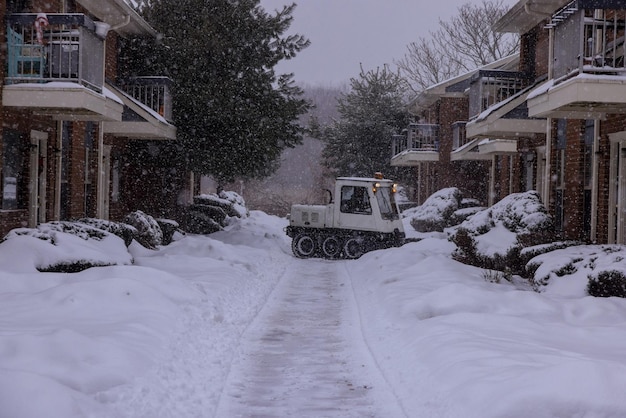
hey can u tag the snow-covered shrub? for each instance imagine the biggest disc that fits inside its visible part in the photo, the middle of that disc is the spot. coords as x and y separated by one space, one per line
63 246
443 209
212 212
168 228
607 283
435 213
149 232
519 220
122 230
201 219
596 270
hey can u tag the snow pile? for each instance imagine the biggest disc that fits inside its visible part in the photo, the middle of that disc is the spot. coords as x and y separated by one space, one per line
474 349
61 246
72 336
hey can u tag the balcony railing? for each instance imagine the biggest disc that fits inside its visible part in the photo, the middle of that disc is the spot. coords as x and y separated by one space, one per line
588 40
154 92
66 49
489 87
418 137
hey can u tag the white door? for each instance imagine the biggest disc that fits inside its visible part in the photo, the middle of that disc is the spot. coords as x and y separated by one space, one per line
617 191
37 179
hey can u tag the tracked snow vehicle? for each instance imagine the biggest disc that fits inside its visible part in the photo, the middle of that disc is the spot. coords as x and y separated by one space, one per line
363 218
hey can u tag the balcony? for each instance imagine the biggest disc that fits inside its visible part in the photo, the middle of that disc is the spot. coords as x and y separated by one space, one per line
419 144
147 109
507 119
589 73
58 69
489 87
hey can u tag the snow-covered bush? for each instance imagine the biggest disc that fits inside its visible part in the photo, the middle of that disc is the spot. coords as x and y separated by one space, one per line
212 212
62 247
607 283
169 227
596 270
122 230
443 209
435 213
149 232
519 220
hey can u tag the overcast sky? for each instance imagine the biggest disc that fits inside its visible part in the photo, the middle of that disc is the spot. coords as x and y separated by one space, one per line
347 33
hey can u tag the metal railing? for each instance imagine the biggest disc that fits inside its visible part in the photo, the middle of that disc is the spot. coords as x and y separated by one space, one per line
588 40
154 92
489 87
418 137
67 48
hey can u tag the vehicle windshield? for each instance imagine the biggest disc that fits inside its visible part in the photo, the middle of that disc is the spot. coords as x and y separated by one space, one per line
387 203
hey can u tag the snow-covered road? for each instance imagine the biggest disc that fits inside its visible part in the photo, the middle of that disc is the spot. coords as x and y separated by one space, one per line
304 355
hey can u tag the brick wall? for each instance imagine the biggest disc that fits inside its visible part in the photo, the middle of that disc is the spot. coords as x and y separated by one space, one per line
471 177
573 198
110 71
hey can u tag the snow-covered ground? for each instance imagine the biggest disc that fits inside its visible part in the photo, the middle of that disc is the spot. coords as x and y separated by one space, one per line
232 324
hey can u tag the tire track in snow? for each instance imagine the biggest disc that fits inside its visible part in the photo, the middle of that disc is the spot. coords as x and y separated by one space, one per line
304 355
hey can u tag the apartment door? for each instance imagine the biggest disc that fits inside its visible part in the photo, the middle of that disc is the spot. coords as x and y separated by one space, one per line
37 178
617 191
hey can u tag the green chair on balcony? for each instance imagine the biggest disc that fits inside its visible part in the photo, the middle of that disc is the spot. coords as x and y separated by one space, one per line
25 60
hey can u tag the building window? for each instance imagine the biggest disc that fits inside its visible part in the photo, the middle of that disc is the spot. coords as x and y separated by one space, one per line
12 164
458 135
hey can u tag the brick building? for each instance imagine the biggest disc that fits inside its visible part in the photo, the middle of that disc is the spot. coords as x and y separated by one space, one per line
437 144
557 122
70 124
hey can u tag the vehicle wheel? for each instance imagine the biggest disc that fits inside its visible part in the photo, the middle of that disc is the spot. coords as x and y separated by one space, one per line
353 248
331 246
303 246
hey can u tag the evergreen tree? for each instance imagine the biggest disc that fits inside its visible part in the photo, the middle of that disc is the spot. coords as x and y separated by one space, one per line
358 143
233 113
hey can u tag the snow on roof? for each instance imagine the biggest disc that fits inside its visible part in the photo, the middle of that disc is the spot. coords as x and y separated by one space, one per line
66 85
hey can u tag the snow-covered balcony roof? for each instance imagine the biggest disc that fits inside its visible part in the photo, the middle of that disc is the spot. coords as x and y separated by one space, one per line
408 158
64 101
585 96
118 13
139 121
526 14
469 151
506 119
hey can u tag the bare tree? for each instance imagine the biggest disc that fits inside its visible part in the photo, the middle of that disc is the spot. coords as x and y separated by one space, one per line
465 42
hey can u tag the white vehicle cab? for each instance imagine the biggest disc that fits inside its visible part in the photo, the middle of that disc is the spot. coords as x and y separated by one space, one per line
364 217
